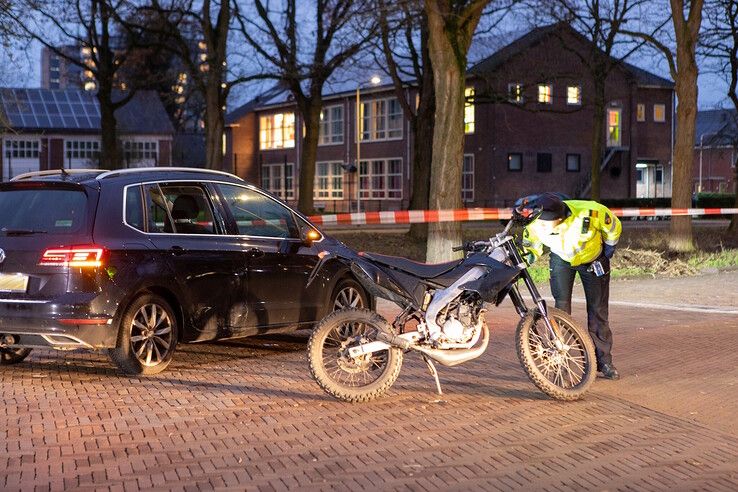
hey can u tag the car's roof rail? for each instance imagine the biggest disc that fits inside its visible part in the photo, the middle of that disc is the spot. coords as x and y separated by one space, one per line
54 172
117 172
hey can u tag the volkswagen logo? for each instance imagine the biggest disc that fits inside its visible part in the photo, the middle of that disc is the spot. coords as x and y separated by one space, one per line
2 255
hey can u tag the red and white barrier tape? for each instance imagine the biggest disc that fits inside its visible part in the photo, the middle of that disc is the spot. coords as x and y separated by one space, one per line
471 214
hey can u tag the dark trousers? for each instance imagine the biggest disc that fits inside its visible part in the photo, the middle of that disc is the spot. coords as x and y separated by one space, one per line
597 293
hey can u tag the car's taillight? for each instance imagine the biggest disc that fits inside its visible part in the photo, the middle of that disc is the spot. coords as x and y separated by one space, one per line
73 256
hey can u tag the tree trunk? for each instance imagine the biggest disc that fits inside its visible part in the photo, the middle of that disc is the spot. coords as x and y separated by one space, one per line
109 155
733 227
308 153
423 125
214 127
598 129
681 238
448 133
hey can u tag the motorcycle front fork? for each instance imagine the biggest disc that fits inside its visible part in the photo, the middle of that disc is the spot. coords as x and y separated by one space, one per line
551 326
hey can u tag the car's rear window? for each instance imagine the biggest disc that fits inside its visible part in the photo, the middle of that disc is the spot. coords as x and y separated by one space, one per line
53 211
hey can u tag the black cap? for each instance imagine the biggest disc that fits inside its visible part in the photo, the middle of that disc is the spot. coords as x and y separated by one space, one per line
552 205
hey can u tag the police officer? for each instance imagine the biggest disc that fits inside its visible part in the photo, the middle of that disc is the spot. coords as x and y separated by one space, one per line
582 236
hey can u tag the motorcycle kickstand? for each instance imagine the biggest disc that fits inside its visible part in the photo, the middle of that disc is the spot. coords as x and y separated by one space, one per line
434 373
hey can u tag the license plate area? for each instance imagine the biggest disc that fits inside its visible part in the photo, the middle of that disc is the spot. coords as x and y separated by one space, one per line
13 282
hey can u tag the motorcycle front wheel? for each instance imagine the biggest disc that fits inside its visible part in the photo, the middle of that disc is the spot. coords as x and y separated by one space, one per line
563 372
352 379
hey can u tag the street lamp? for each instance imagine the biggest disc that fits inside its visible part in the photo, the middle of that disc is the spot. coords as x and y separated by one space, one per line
699 184
375 81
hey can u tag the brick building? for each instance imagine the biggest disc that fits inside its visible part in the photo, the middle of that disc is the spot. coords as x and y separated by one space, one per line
715 153
49 129
527 123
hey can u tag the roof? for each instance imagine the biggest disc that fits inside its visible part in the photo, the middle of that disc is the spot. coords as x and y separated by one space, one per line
345 79
642 78
77 110
716 127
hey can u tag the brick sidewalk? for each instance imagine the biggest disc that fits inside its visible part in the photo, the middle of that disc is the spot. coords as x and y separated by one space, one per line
246 415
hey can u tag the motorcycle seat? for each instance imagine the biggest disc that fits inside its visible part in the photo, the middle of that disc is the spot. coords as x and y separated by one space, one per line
422 270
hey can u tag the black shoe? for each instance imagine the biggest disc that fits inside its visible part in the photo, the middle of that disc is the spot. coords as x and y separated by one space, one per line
609 372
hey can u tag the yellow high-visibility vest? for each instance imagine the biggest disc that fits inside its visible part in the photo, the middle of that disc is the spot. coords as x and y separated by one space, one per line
578 239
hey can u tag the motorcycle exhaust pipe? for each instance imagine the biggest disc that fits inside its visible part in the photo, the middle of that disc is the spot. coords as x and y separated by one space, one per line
455 357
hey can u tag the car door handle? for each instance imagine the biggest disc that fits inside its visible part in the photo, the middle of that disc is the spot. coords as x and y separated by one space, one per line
177 250
254 253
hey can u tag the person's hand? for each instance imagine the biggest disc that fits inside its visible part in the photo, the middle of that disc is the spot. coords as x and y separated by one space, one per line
529 258
608 251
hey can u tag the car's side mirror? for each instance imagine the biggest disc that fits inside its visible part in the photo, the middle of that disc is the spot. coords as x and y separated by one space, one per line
310 235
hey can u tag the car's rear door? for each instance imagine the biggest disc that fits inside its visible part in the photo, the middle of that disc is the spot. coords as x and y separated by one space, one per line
278 261
189 234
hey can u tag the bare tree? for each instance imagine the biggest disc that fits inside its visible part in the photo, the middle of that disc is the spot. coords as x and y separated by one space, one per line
302 47
600 22
686 19
197 31
94 27
403 28
451 26
720 46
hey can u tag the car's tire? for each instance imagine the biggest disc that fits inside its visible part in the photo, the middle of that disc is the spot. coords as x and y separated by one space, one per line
348 294
327 348
147 336
532 354
13 355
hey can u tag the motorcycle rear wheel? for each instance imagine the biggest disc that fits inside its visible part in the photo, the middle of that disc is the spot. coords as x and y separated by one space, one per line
341 376
562 375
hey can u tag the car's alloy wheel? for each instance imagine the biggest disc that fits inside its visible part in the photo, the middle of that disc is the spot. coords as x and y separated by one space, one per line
147 336
151 335
348 297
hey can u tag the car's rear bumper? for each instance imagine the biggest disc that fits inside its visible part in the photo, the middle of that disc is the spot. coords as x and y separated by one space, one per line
37 323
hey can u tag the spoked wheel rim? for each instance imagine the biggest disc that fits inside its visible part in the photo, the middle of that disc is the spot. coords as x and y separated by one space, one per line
348 297
151 335
566 366
346 370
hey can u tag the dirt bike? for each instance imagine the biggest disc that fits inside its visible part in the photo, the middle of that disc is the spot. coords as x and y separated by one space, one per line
356 354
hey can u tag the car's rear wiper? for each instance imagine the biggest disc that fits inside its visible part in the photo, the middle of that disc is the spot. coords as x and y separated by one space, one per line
20 232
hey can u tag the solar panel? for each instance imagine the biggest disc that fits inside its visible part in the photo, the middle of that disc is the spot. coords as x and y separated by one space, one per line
45 108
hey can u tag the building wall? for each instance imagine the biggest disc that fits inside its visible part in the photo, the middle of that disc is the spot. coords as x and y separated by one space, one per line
718 169
503 128
53 154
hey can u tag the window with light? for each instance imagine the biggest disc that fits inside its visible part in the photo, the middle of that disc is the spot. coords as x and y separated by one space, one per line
277 131
469 110
515 93
545 93
574 95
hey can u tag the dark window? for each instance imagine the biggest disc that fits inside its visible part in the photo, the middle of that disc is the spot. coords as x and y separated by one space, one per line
659 175
48 210
543 163
515 162
257 214
134 208
159 219
189 208
573 163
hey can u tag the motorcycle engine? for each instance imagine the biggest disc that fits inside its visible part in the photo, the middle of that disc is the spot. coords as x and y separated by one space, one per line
454 330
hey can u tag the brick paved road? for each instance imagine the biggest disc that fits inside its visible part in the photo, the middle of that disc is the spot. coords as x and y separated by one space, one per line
246 415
